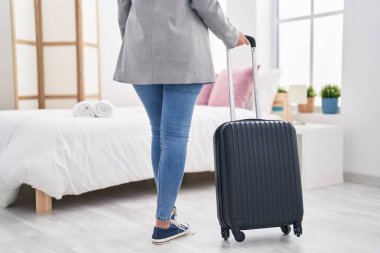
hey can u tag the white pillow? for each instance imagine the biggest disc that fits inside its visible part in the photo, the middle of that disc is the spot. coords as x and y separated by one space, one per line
268 82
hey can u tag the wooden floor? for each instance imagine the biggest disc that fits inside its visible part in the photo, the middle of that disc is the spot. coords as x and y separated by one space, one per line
341 218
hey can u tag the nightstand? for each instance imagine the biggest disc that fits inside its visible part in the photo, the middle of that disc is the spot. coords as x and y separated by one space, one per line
320 149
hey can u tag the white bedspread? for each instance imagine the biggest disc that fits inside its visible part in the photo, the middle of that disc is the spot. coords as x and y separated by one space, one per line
60 154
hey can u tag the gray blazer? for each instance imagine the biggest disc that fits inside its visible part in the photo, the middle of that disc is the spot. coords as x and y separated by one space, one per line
167 41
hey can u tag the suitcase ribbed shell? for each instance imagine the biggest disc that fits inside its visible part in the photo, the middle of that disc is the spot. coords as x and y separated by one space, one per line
257 174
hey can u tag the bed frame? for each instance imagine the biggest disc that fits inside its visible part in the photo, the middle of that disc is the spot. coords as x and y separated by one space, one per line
43 202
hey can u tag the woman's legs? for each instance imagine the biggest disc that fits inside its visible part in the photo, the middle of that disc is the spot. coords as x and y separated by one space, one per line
151 97
170 109
177 110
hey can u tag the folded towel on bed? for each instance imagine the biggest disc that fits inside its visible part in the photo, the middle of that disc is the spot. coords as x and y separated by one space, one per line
84 109
104 109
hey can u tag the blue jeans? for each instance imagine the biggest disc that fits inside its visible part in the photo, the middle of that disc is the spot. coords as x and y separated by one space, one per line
170 109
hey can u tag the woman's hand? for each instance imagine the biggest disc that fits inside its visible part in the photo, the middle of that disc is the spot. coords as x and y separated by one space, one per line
242 40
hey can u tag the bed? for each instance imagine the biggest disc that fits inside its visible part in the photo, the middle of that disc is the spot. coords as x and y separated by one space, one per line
58 154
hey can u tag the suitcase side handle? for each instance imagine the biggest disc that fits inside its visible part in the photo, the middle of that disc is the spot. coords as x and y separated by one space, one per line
255 92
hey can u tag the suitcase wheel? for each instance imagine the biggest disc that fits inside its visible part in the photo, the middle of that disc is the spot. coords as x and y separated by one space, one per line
225 233
239 236
297 227
286 229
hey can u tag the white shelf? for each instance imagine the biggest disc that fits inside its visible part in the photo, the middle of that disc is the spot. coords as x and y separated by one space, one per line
320 149
309 128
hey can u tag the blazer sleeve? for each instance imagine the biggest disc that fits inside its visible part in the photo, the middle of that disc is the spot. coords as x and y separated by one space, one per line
124 6
213 16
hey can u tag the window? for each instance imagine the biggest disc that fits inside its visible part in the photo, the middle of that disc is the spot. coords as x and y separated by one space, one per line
310 40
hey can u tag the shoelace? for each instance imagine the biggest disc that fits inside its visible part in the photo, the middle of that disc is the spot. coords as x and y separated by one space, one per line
179 225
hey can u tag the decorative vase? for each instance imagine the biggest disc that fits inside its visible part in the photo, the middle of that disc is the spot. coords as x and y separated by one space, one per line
280 102
308 107
330 105
281 105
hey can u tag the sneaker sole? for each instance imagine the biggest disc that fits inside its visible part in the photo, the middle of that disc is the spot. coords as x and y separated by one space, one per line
169 239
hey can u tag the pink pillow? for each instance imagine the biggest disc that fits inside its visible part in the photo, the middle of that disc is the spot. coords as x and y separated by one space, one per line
204 94
242 88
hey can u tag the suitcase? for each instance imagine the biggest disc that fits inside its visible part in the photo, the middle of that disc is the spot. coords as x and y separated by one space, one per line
257 173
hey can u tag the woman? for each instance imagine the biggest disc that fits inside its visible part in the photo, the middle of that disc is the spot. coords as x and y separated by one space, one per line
166 56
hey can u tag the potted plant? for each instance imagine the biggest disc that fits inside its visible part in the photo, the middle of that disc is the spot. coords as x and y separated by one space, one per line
280 100
281 103
330 95
309 106
282 90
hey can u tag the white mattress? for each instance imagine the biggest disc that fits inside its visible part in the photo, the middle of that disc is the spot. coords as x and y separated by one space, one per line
60 154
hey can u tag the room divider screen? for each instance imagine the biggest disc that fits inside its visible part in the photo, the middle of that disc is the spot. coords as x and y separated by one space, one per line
56 52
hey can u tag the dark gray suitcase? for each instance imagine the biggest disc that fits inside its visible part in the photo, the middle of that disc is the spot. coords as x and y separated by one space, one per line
257 172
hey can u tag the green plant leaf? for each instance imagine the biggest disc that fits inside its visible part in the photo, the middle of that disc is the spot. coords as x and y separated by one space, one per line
282 90
330 91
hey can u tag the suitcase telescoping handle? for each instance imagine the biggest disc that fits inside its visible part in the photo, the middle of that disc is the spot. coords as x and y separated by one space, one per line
255 91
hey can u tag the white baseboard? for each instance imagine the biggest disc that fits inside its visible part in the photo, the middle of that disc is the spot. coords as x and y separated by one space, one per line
361 179
324 183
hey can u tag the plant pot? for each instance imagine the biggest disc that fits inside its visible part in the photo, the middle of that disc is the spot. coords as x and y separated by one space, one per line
308 107
330 105
281 105
280 102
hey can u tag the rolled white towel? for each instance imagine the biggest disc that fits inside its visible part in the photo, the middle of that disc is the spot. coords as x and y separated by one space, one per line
104 109
83 109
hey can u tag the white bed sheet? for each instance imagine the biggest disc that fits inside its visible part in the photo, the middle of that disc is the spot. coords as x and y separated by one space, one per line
60 154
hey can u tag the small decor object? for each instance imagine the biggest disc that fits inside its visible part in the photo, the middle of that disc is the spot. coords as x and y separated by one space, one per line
83 109
281 103
280 100
297 95
330 95
282 90
100 109
104 109
309 106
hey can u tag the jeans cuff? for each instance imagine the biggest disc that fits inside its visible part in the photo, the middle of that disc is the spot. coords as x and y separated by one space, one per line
162 219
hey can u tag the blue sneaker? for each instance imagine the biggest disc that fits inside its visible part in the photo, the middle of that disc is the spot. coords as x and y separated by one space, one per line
175 231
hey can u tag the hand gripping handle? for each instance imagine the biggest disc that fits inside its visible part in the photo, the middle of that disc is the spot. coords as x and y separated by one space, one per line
255 91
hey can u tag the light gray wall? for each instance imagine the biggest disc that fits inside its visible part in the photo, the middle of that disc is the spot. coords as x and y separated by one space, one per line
119 94
266 34
242 14
361 87
6 58
255 17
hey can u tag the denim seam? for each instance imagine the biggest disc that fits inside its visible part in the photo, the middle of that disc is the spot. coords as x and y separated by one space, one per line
173 90
158 175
